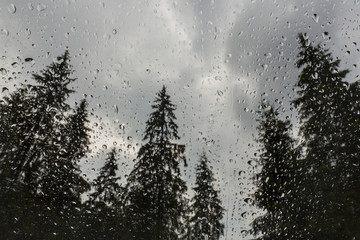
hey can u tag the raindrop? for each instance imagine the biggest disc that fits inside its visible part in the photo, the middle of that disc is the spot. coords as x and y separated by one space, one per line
27 31
218 78
12 8
129 138
116 108
3 71
220 93
29 59
104 146
4 32
114 31
325 35
41 7
315 17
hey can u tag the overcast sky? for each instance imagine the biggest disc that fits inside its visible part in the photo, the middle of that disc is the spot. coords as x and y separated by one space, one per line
217 58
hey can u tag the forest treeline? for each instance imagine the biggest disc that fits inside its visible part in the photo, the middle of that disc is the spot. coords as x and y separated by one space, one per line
308 187
42 189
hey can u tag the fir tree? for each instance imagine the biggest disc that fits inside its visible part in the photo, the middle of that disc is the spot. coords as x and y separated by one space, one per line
40 153
323 104
155 201
206 205
105 202
278 181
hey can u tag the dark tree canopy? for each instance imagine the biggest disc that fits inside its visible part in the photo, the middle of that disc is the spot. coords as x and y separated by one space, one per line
155 203
278 179
39 157
331 158
104 206
206 206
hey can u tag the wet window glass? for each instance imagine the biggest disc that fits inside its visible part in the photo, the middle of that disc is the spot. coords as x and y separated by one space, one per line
203 119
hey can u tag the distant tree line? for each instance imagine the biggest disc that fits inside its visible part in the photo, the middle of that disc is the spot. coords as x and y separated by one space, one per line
42 139
309 187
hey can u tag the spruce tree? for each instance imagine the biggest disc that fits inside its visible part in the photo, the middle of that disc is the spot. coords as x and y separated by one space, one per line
105 205
206 205
278 180
155 203
323 104
45 142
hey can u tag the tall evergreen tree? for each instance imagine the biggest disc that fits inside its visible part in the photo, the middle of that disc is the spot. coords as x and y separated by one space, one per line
105 205
205 224
39 153
155 201
278 181
323 104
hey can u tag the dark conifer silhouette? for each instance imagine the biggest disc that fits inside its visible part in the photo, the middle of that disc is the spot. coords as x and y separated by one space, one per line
104 205
323 103
206 206
40 155
155 203
278 181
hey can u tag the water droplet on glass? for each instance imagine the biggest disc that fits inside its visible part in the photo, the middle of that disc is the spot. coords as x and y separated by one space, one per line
41 7
12 8
114 31
27 31
3 71
104 146
4 32
315 17
218 78
30 60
